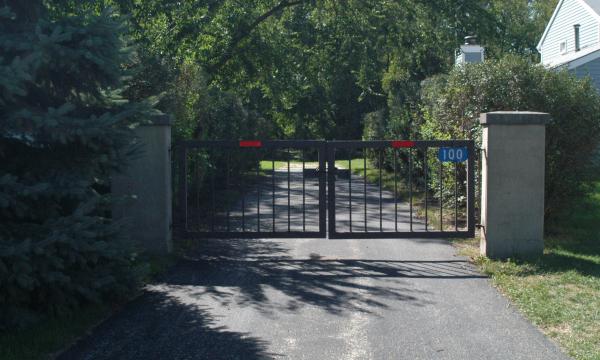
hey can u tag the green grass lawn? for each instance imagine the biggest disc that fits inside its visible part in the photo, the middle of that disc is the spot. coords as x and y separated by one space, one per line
44 339
267 165
357 167
387 178
560 292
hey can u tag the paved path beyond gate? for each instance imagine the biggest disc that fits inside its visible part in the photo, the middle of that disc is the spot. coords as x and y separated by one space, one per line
319 299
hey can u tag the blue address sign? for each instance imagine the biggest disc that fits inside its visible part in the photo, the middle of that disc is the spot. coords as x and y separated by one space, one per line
453 154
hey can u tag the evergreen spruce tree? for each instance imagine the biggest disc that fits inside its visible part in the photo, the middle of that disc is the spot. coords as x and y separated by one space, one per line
63 129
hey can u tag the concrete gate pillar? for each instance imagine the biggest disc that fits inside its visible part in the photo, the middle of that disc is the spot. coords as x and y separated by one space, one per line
147 182
512 175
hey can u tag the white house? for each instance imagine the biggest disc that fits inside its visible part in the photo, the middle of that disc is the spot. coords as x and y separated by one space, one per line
572 38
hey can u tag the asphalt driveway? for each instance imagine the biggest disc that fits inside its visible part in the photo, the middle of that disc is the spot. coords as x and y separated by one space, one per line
318 299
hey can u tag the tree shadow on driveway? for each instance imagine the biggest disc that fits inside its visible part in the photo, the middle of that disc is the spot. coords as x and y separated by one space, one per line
179 316
247 271
158 326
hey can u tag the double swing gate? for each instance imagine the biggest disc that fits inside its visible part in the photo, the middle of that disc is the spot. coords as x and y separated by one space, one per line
335 189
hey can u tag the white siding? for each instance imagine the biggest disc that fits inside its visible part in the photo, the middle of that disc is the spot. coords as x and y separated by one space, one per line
570 13
591 69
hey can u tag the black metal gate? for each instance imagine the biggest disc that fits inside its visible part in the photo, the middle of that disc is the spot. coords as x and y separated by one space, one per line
407 193
250 189
376 189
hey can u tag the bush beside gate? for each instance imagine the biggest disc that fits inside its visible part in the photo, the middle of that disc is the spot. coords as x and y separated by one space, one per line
452 104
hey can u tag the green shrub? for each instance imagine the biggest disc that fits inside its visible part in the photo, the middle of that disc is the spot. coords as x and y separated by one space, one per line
203 112
452 104
64 129
374 125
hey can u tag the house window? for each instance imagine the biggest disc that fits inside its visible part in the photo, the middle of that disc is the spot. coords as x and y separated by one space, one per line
577 45
563 47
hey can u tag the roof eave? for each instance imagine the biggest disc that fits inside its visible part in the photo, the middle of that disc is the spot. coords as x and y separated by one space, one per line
547 29
578 61
558 6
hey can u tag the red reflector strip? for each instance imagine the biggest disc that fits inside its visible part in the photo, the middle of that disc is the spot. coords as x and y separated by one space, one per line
403 144
250 143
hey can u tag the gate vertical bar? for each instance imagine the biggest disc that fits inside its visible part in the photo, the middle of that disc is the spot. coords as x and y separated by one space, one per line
303 192
395 189
228 169
380 196
471 188
257 190
410 186
196 182
350 187
243 188
455 196
212 185
426 190
322 175
183 187
273 187
331 186
441 196
365 184
288 191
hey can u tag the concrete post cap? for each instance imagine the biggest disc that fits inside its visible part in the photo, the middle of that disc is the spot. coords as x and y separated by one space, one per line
514 118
